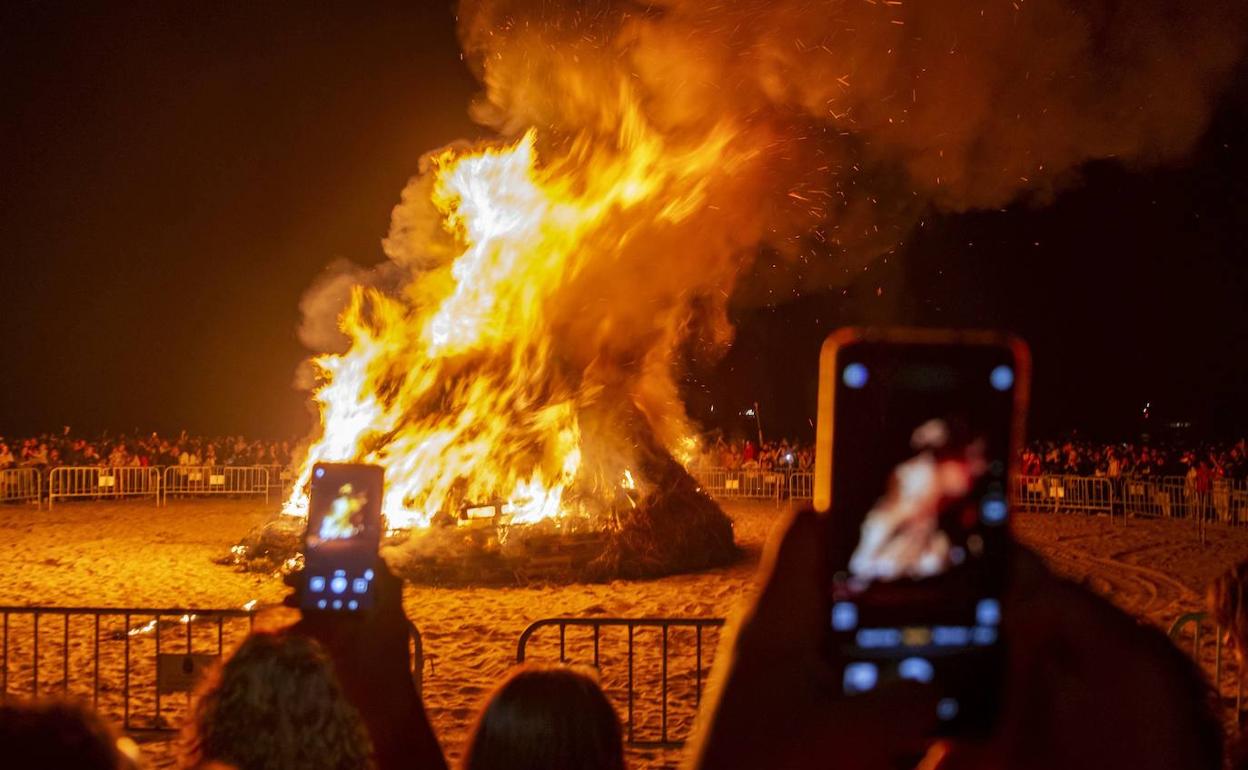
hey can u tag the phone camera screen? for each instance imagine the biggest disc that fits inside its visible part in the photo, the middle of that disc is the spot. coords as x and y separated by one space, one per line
343 535
920 458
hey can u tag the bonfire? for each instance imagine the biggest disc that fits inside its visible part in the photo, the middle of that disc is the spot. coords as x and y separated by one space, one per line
522 402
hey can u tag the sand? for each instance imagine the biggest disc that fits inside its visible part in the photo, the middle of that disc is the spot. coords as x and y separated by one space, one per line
137 555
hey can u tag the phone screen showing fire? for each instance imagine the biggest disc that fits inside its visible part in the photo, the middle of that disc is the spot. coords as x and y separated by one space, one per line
344 532
921 445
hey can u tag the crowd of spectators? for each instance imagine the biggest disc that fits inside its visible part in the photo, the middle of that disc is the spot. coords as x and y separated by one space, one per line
65 448
1137 460
782 455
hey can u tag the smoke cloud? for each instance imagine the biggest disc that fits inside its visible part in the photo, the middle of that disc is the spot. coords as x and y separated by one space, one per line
868 113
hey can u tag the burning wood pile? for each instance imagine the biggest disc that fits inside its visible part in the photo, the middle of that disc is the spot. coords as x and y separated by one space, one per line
522 403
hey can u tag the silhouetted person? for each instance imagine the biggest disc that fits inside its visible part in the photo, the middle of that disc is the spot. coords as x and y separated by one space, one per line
60 735
1087 687
275 704
374 664
547 718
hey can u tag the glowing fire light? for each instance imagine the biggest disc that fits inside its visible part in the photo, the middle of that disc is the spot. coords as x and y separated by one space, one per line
454 382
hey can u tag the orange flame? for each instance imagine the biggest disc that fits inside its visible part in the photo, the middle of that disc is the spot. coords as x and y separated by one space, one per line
457 383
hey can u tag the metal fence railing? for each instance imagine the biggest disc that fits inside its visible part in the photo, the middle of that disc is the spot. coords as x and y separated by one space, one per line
659 694
103 482
21 485
1069 494
135 665
194 480
741 483
1173 497
801 485
1226 678
281 477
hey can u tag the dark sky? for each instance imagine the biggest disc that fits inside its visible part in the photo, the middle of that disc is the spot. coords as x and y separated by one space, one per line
175 175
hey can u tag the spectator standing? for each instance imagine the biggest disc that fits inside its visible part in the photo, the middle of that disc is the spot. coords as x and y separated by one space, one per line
547 718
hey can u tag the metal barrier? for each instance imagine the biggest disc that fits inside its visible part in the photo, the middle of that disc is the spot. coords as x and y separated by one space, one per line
187 480
103 482
1173 497
688 701
1073 494
743 483
280 479
21 485
1230 501
1199 653
1146 498
127 662
801 485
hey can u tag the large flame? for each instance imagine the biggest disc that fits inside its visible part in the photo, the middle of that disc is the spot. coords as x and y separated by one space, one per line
458 382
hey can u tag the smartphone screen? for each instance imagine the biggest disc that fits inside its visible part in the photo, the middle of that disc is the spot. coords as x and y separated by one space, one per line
343 535
916 436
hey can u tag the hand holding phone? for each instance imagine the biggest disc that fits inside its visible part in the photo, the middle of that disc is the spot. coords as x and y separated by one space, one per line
916 434
353 605
342 538
772 699
1087 686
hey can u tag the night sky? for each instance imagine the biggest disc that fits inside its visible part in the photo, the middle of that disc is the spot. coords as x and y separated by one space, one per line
176 175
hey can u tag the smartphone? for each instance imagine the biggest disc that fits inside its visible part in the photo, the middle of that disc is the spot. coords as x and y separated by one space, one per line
917 434
343 536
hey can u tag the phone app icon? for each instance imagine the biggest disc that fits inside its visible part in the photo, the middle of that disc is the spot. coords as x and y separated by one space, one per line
316 584
844 616
338 584
916 670
860 676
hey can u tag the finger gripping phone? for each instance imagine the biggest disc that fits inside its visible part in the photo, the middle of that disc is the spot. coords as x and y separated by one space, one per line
343 536
916 435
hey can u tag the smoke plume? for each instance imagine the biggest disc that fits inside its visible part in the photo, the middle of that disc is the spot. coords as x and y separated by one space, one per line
867 113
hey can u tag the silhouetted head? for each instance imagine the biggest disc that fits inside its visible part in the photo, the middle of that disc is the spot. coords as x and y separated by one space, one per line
64 735
276 703
547 718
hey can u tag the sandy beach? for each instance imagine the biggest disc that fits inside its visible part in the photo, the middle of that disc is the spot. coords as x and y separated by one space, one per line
133 554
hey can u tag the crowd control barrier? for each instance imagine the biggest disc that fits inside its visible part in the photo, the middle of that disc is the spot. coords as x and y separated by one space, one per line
742 483
103 482
1173 497
281 477
1068 494
660 693
135 665
801 485
187 480
21 485
1227 678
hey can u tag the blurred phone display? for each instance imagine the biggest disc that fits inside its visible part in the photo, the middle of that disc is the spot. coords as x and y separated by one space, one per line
916 436
343 535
